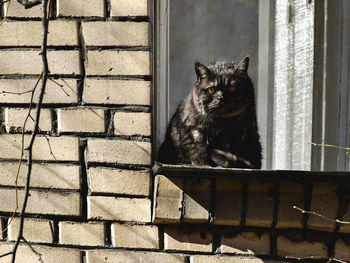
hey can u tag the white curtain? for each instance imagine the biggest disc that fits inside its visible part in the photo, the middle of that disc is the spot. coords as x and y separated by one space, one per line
293 84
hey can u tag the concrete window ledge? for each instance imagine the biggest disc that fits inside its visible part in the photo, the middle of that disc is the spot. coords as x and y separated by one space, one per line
253 212
253 198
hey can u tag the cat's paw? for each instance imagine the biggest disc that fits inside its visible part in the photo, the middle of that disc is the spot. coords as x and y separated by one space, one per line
229 160
223 159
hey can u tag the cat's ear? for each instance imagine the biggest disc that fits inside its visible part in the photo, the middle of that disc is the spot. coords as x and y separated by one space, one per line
243 65
201 70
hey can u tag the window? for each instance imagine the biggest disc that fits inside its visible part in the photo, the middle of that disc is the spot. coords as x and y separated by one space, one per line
300 57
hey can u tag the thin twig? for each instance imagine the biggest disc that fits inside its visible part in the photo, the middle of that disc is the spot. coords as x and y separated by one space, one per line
322 216
50 148
29 91
33 250
63 80
60 85
335 260
331 146
47 139
6 254
17 93
315 257
303 258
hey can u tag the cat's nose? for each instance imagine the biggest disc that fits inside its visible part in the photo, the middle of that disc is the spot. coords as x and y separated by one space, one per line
220 95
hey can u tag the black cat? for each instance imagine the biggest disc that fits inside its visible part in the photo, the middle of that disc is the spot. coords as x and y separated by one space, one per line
216 124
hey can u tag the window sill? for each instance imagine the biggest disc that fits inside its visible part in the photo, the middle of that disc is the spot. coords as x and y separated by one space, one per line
252 198
279 175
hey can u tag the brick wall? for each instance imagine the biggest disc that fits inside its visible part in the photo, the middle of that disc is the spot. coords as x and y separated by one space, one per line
251 213
92 194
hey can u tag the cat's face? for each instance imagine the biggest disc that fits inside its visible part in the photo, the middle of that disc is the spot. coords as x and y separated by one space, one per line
223 89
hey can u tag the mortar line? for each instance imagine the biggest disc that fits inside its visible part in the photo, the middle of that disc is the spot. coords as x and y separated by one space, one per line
54 129
108 233
53 9
83 256
244 202
109 123
2 10
83 60
3 224
83 178
107 9
136 19
55 231
161 237
273 233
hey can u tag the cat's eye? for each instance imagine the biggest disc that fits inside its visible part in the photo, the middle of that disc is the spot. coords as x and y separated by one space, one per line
232 88
211 90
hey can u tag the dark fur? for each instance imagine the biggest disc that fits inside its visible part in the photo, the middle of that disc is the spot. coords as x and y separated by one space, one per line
218 129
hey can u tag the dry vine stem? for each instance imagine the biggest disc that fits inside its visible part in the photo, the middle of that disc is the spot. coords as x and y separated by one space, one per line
322 216
29 148
22 152
346 149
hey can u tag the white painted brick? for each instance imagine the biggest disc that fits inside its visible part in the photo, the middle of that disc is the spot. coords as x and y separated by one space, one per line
123 209
115 33
228 201
228 259
28 33
320 193
259 204
83 234
132 123
177 239
113 256
29 62
80 8
15 117
17 10
303 248
248 243
341 249
116 181
109 62
51 203
48 254
122 92
168 199
291 194
34 230
119 151
63 148
60 176
129 8
53 93
136 236
197 200
80 120
345 228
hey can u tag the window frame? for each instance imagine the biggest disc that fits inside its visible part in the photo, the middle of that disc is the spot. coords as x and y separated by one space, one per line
330 46
327 73
161 72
